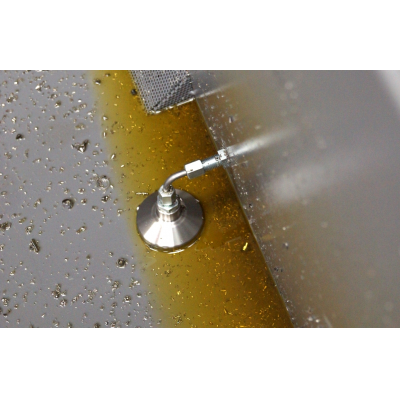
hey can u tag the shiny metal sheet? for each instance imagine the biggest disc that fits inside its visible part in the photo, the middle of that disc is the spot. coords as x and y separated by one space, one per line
316 161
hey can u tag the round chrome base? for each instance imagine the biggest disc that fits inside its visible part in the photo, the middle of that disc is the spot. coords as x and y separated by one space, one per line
169 236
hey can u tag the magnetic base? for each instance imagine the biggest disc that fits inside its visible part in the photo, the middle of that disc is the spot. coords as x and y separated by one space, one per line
169 236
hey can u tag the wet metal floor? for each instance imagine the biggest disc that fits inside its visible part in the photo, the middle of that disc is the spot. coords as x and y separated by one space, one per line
78 154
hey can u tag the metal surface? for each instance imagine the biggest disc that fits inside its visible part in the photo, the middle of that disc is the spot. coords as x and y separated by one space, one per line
169 229
173 178
161 89
315 161
66 257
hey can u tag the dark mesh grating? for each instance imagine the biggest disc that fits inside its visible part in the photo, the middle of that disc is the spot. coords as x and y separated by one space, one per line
160 89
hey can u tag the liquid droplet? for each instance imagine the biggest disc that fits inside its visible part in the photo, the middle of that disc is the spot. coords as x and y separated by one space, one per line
103 182
121 263
68 203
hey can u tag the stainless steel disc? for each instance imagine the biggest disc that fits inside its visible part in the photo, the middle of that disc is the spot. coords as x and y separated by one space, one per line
169 236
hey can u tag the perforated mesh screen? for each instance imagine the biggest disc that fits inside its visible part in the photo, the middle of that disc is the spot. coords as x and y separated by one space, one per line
160 89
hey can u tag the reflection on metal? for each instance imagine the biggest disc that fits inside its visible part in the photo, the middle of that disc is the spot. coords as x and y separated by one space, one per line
315 156
170 219
170 231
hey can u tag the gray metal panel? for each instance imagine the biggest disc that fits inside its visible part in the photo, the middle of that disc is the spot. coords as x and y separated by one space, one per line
54 110
316 157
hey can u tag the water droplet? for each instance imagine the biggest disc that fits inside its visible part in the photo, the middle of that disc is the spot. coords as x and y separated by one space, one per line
19 137
105 199
97 82
121 263
103 182
68 203
134 283
127 299
57 104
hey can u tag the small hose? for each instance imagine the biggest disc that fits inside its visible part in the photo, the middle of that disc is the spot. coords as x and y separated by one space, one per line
173 178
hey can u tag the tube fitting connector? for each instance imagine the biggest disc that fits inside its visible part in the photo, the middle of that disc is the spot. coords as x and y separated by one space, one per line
167 202
169 207
198 168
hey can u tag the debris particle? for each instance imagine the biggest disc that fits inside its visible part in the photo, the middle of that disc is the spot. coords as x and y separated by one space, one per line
34 246
81 147
81 229
5 226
